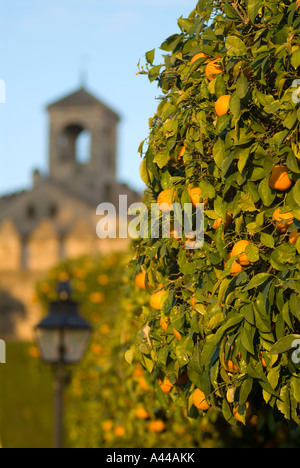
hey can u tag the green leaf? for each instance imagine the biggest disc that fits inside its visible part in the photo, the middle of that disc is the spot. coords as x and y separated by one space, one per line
161 159
235 105
296 192
150 56
285 344
296 58
252 253
246 203
257 280
235 46
247 340
242 86
243 155
129 355
245 390
253 9
219 152
267 240
184 350
265 193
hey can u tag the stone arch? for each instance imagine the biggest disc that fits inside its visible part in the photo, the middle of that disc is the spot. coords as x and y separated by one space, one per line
80 240
43 247
10 247
74 143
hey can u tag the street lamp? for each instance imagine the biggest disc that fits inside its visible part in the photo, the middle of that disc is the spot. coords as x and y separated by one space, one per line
62 338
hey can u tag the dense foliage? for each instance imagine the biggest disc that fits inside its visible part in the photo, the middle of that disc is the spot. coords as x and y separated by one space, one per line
227 126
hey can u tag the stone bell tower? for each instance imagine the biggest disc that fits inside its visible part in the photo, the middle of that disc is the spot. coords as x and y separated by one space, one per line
69 118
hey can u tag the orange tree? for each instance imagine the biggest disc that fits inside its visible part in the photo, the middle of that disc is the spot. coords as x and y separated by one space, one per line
226 134
109 403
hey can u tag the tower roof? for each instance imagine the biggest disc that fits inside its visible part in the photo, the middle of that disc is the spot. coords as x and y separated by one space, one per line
81 97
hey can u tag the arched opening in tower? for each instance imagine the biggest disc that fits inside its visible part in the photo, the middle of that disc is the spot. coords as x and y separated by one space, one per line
75 144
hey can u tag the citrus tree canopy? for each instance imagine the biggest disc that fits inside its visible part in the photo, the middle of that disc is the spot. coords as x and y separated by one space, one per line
226 130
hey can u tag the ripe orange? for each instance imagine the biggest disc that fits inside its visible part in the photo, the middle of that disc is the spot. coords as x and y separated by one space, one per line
164 322
143 384
230 367
181 152
175 235
213 68
282 220
196 197
236 414
199 400
157 426
236 269
177 334
140 280
141 413
156 300
165 200
166 386
294 234
222 105
226 223
239 249
279 179
197 57
193 301
119 431
97 298
107 425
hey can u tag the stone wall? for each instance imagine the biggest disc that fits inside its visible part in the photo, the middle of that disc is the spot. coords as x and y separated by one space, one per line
24 262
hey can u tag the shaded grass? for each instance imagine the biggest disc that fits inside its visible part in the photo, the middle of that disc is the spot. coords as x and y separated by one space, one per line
26 400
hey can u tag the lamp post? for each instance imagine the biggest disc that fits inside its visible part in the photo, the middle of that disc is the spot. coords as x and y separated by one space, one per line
62 338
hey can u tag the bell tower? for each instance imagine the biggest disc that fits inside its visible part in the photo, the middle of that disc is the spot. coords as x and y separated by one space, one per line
78 114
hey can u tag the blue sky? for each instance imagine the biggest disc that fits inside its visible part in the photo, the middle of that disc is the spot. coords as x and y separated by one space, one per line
41 48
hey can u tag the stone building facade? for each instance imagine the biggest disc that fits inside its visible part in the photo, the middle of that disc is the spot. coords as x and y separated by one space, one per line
56 219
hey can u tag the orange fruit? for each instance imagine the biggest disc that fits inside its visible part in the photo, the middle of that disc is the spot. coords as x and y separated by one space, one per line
236 269
97 298
164 323
279 179
222 105
143 384
156 300
239 249
226 223
181 152
196 197
141 413
236 414
140 280
213 68
230 367
199 400
165 200
175 235
119 431
177 334
157 426
262 359
166 386
294 234
197 57
282 220
107 425
193 301
103 280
